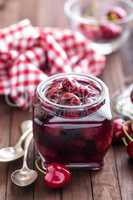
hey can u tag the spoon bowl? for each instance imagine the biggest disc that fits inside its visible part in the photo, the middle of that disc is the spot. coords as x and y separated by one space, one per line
8 154
24 177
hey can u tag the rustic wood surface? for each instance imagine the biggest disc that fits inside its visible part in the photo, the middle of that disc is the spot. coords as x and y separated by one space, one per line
115 181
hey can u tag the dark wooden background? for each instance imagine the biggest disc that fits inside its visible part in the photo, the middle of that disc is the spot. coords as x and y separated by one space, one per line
115 181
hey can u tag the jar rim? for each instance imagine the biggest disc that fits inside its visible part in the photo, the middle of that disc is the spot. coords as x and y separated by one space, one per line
92 78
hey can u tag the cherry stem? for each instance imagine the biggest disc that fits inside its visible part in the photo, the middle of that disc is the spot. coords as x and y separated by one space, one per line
38 167
126 133
124 141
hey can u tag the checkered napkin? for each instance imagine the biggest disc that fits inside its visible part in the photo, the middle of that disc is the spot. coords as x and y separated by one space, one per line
29 54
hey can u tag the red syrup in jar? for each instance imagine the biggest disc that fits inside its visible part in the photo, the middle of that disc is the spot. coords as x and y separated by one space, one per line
72 124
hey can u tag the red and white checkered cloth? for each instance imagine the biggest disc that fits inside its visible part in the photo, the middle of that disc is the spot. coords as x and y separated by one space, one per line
29 54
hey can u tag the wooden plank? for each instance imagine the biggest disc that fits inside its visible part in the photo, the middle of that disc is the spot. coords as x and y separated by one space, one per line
124 166
79 188
28 9
48 15
113 74
41 192
5 116
125 172
105 184
13 192
9 13
127 57
8 16
51 13
2 3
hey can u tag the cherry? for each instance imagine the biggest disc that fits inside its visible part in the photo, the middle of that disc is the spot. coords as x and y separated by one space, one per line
131 96
90 31
53 93
116 13
110 30
82 91
69 99
69 84
57 176
118 132
130 149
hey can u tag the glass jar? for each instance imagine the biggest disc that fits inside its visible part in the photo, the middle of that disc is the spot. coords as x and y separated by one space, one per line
77 135
88 17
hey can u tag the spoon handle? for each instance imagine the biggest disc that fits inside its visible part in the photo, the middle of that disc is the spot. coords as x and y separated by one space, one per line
24 135
27 144
26 125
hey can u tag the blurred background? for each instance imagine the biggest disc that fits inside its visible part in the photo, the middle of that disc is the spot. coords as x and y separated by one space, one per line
40 12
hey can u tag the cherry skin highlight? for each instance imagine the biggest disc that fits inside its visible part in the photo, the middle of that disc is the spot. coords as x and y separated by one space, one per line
57 176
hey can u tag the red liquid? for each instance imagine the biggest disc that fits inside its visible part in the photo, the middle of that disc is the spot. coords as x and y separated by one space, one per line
81 141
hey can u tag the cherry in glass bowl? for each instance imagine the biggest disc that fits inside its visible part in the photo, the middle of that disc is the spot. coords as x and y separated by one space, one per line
72 120
106 23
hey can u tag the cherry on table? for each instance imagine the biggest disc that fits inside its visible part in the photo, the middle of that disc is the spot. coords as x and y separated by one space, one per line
57 176
118 132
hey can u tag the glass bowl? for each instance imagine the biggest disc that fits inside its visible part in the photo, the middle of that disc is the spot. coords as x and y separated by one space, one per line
121 103
90 19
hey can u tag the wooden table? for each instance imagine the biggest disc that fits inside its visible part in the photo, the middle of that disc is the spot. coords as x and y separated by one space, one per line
115 181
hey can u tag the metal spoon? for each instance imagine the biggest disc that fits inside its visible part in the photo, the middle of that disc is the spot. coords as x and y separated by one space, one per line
26 125
24 176
8 154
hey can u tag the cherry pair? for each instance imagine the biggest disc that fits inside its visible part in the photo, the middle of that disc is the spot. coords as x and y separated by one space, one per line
124 130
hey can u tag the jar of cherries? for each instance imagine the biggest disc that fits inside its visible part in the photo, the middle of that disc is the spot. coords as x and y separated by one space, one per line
72 120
